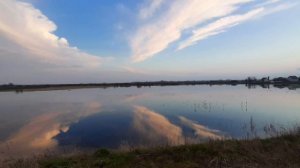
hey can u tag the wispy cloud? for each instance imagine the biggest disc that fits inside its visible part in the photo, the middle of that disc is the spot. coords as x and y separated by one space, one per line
218 27
134 70
223 24
155 36
148 11
268 2
278 8
167 27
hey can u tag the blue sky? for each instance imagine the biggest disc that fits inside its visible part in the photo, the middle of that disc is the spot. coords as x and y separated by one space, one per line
93 27
62 41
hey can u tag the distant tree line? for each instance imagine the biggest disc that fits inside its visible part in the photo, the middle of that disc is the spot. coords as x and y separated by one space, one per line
289 79
250 82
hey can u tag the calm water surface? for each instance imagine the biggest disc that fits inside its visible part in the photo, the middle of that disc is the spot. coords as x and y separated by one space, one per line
118 118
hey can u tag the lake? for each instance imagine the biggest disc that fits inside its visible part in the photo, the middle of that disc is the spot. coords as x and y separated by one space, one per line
125 118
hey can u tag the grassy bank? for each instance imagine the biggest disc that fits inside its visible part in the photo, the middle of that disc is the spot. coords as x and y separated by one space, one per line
280 151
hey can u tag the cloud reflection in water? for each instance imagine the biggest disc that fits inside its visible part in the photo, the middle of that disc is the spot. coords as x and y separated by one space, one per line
38 135
201 131
155 126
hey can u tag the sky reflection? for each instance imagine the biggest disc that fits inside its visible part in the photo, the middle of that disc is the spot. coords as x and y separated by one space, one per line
156 127
33 122
38 134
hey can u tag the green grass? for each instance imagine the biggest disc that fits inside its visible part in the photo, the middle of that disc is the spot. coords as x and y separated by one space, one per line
282 151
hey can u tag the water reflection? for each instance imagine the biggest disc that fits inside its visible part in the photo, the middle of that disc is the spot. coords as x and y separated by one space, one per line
39 133
155 127
202 132
130 117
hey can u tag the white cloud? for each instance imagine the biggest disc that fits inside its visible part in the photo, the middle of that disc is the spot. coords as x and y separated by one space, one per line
155 36
278 8
268 2
218 27
28 44
148 11
134 70
225 23
158 33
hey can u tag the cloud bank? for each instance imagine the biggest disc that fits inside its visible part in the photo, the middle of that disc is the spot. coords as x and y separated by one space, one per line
28 45
198 19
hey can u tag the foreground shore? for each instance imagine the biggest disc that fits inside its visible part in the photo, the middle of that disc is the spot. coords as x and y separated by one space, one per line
281 151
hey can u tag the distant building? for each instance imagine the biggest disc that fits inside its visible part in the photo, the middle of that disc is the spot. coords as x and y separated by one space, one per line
293 79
